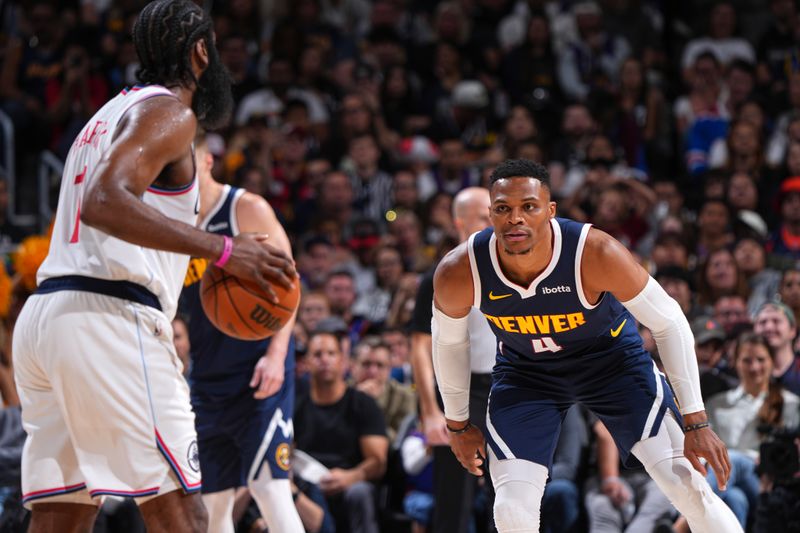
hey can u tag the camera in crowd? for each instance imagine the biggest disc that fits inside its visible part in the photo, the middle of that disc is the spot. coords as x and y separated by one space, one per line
780 460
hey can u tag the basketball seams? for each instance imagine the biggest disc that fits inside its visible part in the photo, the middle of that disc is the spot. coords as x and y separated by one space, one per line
227 314
218 279
236 309
257 295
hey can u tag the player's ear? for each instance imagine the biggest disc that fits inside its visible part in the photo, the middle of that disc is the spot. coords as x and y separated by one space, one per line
552 207
200 55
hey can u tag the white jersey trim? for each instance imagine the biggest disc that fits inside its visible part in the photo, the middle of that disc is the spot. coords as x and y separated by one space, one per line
496 436
531 290
578 258
476 276
654 409
234 218
287 428
217 206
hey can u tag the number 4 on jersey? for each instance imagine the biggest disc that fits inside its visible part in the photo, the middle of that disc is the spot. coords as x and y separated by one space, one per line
545 344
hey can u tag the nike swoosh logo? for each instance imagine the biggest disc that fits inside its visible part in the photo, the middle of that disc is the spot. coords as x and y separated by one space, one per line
615 332
499 296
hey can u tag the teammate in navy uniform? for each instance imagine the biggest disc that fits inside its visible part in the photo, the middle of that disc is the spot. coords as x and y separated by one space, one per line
242 391
562 299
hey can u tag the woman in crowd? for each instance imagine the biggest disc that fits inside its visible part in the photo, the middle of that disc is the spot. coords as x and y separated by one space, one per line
742 416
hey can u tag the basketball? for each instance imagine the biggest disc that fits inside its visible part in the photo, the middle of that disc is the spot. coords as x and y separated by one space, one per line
240 308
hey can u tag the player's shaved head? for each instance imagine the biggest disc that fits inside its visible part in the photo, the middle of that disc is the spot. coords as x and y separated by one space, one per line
471 211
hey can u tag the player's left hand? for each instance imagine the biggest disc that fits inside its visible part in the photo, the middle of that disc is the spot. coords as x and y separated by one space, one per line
339 480
469 448
705 443
267 377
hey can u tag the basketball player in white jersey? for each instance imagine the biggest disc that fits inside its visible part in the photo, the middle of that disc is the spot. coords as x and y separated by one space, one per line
103 401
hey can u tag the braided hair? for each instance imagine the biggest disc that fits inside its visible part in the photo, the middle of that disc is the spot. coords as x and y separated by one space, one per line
164 34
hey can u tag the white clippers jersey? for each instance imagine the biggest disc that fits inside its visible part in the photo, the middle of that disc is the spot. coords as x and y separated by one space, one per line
77 249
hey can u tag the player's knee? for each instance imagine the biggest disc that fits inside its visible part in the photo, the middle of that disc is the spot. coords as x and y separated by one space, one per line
682 484
519 487
516 508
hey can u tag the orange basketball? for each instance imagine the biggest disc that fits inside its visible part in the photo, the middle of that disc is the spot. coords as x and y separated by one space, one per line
240 308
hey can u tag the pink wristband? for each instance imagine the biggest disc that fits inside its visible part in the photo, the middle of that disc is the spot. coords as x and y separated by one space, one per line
227 248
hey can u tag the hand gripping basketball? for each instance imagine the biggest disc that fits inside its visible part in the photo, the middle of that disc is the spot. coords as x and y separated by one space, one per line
253 259
256 303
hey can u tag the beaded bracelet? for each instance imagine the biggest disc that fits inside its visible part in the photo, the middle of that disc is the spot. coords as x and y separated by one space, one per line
693 427
459 431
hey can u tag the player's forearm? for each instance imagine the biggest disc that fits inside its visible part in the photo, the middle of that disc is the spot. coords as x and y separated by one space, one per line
279 345
422 367
124 216
664 317
607 459
451 363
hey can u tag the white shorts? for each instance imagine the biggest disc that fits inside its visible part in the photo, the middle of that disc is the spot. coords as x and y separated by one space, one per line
104 403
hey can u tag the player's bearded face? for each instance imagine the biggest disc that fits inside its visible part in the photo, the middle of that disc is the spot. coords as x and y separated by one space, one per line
520 212
213 100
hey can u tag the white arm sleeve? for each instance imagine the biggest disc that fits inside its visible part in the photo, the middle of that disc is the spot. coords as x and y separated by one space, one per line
654 308
450 338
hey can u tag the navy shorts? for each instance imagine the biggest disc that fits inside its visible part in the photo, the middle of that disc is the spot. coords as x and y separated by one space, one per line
626 392
241 438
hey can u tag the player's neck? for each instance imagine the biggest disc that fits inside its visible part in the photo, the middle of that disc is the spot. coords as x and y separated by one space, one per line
522 269
210 192
327 393
184 94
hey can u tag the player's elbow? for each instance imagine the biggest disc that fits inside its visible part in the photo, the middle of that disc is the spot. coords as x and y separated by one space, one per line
93 212
98 211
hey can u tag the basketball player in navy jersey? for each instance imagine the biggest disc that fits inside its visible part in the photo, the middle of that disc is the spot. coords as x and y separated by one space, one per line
242 391
562 299
104 404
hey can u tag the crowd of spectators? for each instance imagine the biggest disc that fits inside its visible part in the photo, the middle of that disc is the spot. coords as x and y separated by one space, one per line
673 126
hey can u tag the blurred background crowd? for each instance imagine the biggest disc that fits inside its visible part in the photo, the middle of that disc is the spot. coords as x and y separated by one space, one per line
673 126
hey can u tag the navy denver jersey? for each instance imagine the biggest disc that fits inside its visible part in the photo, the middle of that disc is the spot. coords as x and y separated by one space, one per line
550 320
555 349
215 355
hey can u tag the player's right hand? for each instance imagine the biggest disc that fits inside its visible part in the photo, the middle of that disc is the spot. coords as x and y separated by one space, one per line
435 428
252 258
704 443
470 449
